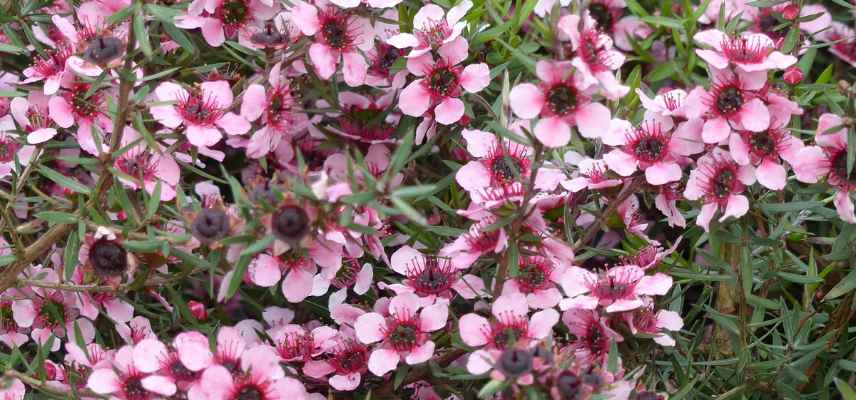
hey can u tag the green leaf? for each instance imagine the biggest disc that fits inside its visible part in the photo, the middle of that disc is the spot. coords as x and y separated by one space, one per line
154 201
258 246
120 15
612 360
63 180
493 387
667 22
238 275
801 279
57 217
140 32
142 246
794 206
847 392
396 162
407 210
414 191
846 285
69 255
11 49
790 40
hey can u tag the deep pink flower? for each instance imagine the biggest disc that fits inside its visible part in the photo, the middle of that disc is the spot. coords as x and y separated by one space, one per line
593 336
499 162
221 19
431 278
646 321
468 247
345 359
764 150
828 158
404 333
337 34
561 100
594 56
718 182
432 28
537 280
651 148
125 380
73 104
511 327
49 68
750 52
202 112
144 168
617 289
266 270
276 110
257 376
439 83
731 103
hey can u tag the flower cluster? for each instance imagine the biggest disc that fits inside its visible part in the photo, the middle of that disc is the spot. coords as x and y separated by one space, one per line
313 199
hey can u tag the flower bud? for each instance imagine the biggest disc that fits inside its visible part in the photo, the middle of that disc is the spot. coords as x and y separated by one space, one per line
791 12
793 75
108 258
102 50
290 224
210 225
514 362
197 309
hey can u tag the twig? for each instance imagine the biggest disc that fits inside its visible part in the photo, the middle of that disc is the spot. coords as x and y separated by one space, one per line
42 386
613 205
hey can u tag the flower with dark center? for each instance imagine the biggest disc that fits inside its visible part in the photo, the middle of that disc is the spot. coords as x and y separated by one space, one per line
335 30
729 99
269 36
102 50
178 371
210 225
507 162
648 143
382 58
233 12
434 32
83 105
444 81
839 168
403 334
593 51
296 346
612 287
514 362
431 275
53 63
603 15
108 258
349 357
134 389
8 148
763 143
569 385
534 274
562 99
199 111
290 224
723 183
508 329
249 392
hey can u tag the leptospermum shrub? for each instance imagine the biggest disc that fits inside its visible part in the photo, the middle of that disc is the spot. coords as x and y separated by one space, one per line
396 199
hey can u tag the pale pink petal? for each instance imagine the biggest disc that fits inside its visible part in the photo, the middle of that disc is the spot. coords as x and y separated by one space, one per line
449 111
264 271
297 285
844 206
574 281
455 51
370 327
104 381
738 205
203 136
475 77
711 37
657 284
382 361
24 313
212 31
405 304
624 305
403 258
305 16
345 383
167 116
473 176
553 132
479 143
592 119
713 58
772 175
472 329
705 215
811 165
480 362
403 41
354 68
669 320
253 105
754 116
234 124
324 59
715 130
41 135
434 317
663 172
148 353
542 322
420 354
159 384
526 100
415 99
60 112
739 149
621 162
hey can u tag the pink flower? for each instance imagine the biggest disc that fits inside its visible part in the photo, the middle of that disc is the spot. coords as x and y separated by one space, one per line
10 332
349 275
842 42
73 104
344 357
266 270
12 389
592 336
10 148
594 57
562 100
404 333
499 162
432 28
257 376
50 69
363 118
125 379
646 321
511 328
338 34
750 52
617 289
718 182
537 280
31 114
732 101
439 83
145 168
371 3
666 201
829 159
219 19
202 113
650 148
591 175
764 150
276 110
431 278
168 363
477 241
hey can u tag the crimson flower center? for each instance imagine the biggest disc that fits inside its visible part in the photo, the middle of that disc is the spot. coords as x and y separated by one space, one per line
350 359
134 389
745 50
8 147
723 183
249 392
762 143
443 81
649 149
234 12
839 167
404 335
199 111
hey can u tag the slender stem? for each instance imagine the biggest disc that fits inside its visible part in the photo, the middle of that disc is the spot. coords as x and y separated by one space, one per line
592 230
51 390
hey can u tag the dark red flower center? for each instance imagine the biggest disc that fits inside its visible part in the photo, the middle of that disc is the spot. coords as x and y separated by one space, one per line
562 99
8 148
134 389
612 288
199 111
350 357
431 275
82 103
404 334
763 143
234 12
334 29
723 183
249 392
534 274
443 81
839 168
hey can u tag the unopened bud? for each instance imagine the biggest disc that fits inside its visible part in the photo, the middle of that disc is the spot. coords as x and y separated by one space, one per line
197 309
791 12
793 75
